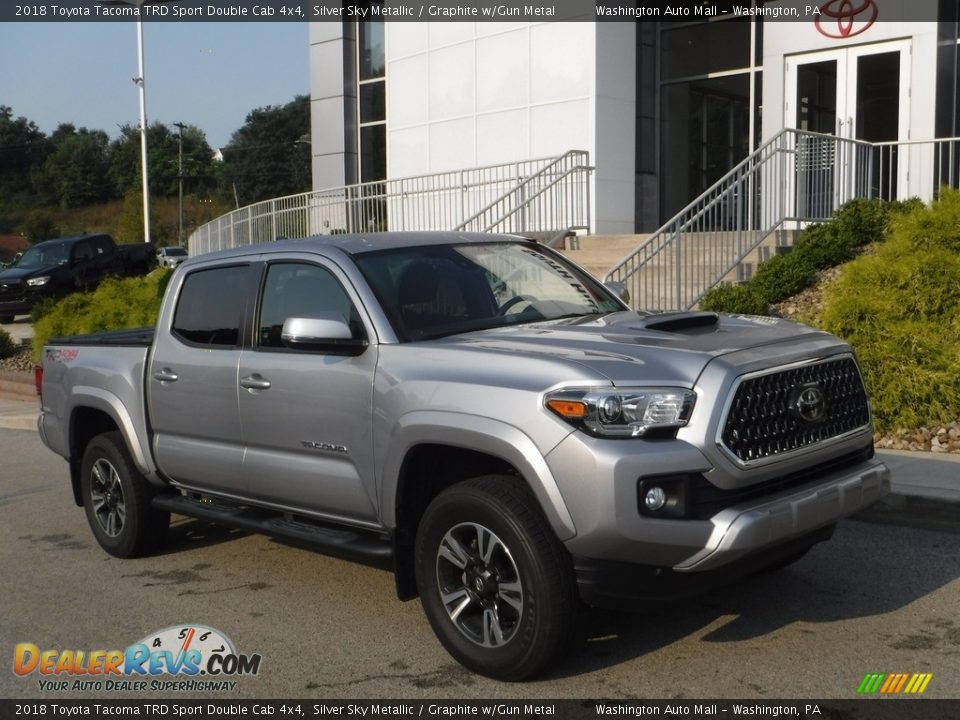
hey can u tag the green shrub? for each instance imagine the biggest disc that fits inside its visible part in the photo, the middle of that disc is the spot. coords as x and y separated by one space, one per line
782 276
934 226
42 308
900 310
8 346
740 299
116 304
818 247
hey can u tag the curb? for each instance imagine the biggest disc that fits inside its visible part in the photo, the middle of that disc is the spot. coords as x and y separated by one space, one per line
17 384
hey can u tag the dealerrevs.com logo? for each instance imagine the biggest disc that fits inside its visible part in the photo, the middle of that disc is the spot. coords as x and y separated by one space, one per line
188 658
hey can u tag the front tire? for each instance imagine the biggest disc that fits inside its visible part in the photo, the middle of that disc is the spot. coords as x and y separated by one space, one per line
117 500
496 584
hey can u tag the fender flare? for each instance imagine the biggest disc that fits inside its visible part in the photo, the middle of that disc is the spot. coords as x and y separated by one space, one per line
88 396
480 434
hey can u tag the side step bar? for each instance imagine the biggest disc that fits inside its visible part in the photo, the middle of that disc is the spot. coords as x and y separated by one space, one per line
348 543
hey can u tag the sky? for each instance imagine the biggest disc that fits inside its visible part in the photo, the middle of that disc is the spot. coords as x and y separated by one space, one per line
206 74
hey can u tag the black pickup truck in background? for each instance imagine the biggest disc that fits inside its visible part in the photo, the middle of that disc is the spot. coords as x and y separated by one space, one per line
55 268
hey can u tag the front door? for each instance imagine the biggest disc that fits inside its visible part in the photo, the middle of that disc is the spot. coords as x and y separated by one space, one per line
307 415
854 93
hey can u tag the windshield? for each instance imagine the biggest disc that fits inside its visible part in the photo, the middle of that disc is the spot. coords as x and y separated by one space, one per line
44 255
172 251
439 290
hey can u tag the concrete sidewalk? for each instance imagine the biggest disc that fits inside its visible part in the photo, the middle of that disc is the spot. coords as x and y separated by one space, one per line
932 476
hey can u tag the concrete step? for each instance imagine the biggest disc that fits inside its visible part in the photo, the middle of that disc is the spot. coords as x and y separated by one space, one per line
706 257
598 253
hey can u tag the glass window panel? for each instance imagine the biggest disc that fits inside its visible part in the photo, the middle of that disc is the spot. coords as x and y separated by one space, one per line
372 57
373 102
373 153
705 48
300 290
211 305
703 135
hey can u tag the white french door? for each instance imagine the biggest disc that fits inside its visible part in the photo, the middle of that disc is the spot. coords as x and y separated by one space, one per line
855 93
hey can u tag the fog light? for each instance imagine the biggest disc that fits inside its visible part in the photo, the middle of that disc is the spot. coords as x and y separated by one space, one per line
655 498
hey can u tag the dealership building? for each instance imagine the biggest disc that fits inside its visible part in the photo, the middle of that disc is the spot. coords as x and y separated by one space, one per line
664 108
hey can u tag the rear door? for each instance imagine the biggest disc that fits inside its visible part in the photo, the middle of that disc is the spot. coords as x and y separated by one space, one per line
306 415
192 378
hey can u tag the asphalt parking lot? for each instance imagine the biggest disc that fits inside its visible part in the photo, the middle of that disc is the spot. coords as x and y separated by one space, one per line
880 597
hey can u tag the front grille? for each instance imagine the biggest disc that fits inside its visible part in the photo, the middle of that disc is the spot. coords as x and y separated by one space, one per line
11 291
767 418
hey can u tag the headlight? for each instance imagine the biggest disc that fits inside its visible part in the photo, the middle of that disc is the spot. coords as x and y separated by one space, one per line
38 281
623 412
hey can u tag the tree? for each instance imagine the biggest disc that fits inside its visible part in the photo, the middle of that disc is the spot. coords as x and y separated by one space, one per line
75 171
21 149
163 153
39 226
268 156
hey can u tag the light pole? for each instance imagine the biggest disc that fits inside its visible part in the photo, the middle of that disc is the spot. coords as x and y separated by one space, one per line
180 126
140 80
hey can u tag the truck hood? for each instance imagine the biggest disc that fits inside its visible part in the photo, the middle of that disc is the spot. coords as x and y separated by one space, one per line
627 347
18 275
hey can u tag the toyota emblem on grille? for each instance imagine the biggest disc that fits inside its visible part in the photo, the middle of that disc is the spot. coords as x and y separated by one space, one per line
811 404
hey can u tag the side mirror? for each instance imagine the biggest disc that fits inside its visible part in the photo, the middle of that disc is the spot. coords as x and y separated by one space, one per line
619 289
325 332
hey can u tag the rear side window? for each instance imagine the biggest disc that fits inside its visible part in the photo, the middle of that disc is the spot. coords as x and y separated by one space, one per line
210 307
101 245
82 251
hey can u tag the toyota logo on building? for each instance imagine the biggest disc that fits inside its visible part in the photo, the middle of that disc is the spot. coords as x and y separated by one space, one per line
845 18
810 404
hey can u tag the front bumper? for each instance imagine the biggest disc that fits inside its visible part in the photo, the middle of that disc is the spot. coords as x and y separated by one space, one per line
20 305
776 515
751 527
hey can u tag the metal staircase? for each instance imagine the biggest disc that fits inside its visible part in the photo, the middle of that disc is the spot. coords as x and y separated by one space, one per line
546 198
795 178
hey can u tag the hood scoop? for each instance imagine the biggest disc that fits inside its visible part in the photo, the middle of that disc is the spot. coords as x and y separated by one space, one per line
680 321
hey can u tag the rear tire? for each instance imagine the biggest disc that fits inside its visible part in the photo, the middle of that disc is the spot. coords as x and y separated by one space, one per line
496 584
117 500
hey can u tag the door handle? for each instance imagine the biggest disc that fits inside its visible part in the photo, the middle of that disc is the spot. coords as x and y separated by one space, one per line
255 382
165 376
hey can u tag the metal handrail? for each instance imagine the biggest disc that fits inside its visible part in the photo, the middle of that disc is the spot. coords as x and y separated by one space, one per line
580 154
795 176
577 169
427 202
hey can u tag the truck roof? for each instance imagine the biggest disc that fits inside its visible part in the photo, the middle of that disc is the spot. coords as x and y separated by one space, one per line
72 239
368 242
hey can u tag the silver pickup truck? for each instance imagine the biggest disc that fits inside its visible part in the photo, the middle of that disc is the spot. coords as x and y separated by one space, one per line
474 413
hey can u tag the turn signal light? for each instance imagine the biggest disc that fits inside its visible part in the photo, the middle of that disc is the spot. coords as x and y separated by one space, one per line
570 409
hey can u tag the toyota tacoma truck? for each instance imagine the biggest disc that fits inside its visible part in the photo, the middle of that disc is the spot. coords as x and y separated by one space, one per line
54 268
476 414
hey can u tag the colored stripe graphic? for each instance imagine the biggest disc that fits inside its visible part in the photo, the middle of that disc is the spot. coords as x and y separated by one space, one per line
894 683
871 682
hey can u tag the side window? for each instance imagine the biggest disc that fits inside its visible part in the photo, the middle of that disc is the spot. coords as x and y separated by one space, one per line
102 245
210 307
304 291
82 251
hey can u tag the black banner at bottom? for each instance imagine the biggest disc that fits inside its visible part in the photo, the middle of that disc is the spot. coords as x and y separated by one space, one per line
867 709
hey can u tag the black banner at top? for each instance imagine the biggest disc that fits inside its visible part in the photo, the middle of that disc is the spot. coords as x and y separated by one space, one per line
872 709
466 10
